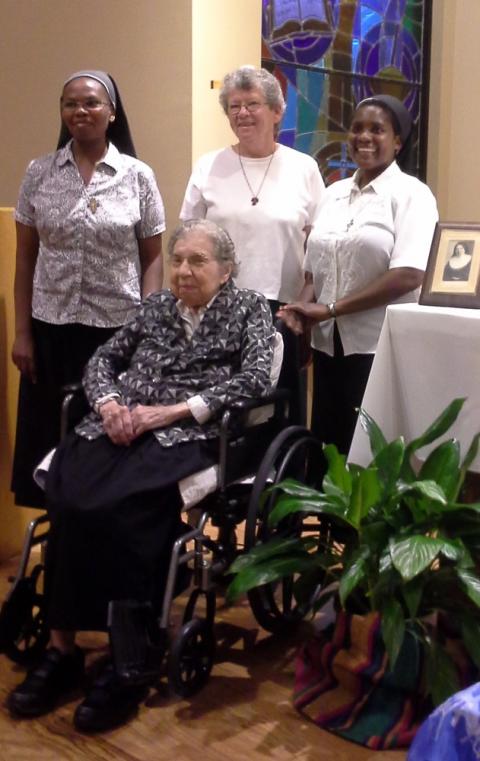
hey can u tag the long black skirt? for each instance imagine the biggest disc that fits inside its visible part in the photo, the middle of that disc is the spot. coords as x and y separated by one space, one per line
61 353
115 514
339 383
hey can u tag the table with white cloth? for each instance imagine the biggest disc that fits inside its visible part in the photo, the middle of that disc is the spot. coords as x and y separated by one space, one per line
426 357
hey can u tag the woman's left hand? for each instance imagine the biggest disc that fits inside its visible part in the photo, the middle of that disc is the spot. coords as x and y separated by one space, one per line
147 418
310 312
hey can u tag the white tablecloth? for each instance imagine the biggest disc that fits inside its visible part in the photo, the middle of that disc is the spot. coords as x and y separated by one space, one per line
426 357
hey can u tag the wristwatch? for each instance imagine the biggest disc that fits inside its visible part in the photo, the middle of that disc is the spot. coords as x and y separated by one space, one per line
331 308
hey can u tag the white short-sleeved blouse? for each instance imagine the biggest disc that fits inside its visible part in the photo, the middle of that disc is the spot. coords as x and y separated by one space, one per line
359 235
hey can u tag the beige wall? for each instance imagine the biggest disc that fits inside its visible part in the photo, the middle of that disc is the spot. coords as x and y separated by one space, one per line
12 519
453 155
225 35
145 44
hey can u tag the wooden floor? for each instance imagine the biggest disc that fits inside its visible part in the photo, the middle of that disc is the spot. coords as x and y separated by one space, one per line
244 712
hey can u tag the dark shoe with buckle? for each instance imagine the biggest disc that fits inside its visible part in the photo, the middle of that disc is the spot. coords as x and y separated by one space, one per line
55 676
108 704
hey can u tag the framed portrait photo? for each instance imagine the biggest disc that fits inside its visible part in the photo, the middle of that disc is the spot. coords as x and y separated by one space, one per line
452 277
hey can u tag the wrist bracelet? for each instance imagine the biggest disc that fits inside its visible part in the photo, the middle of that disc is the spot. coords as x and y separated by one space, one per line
332 309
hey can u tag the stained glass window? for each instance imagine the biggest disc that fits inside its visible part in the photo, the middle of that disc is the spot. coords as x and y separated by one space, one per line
330 54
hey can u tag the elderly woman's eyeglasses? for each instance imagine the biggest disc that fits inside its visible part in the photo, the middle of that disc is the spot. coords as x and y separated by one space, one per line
90 104
251 107
195 261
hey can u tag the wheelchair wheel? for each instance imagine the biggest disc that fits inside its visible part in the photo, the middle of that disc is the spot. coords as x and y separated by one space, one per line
274 605
190 659
23 632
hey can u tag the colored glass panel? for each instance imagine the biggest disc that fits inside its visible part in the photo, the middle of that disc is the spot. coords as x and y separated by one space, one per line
330 54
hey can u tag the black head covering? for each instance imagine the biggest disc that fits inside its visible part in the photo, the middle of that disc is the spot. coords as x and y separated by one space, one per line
118 132
100 76
401 117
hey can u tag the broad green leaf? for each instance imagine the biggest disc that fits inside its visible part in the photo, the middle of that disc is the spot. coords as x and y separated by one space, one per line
295 489
412 594
439 426
429 489
471 584
337 471
393 629
468 459
443 466
441 674
471 638
414 554
289 505
274 569
353 573
375 535
389 462
377 439
365 494
385 561
273 548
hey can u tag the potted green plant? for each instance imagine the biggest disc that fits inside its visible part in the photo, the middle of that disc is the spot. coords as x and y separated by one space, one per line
406 561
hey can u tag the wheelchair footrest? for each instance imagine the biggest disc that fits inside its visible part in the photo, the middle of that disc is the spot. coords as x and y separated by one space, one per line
138 644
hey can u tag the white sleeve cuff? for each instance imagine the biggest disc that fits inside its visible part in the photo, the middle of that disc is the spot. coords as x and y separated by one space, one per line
104 400
200 411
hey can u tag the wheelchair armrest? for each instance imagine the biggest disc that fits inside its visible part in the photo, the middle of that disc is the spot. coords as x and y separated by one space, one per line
235 423
245 405
74 407
72 388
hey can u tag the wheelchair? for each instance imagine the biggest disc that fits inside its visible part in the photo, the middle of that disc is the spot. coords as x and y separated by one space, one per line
142 643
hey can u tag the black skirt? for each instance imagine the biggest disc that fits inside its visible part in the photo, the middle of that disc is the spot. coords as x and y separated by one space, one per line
115 514
61 353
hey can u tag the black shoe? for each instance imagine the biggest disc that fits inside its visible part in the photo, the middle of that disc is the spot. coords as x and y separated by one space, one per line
45 684
108 704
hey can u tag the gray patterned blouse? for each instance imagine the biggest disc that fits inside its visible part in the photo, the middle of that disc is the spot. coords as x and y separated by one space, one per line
151 360
88 268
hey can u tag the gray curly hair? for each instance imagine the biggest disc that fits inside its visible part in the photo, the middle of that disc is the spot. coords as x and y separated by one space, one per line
248 78
223 248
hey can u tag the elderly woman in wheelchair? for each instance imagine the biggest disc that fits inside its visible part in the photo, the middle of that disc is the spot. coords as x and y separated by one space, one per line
156 390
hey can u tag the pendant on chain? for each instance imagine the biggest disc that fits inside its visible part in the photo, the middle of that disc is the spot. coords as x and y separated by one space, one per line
254 200
93 205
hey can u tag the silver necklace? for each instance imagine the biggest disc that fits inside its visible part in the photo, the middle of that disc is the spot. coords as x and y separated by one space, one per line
255 196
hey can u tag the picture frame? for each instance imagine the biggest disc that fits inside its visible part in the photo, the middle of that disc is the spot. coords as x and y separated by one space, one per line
452 277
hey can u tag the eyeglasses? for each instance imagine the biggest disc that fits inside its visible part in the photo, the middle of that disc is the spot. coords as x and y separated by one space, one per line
195 261
90 104
251 107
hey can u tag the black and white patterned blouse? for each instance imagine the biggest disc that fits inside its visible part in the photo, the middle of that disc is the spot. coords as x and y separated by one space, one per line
88 268
151 360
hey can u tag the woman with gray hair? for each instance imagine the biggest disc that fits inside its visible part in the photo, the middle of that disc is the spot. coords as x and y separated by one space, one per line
157 389
264 194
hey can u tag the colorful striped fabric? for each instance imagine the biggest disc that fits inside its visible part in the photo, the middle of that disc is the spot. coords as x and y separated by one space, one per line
343 685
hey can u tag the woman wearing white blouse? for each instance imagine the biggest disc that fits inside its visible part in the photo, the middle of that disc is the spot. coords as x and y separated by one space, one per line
369 248
266 195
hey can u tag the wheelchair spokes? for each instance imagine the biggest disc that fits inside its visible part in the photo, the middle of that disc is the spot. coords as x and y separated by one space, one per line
191 657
